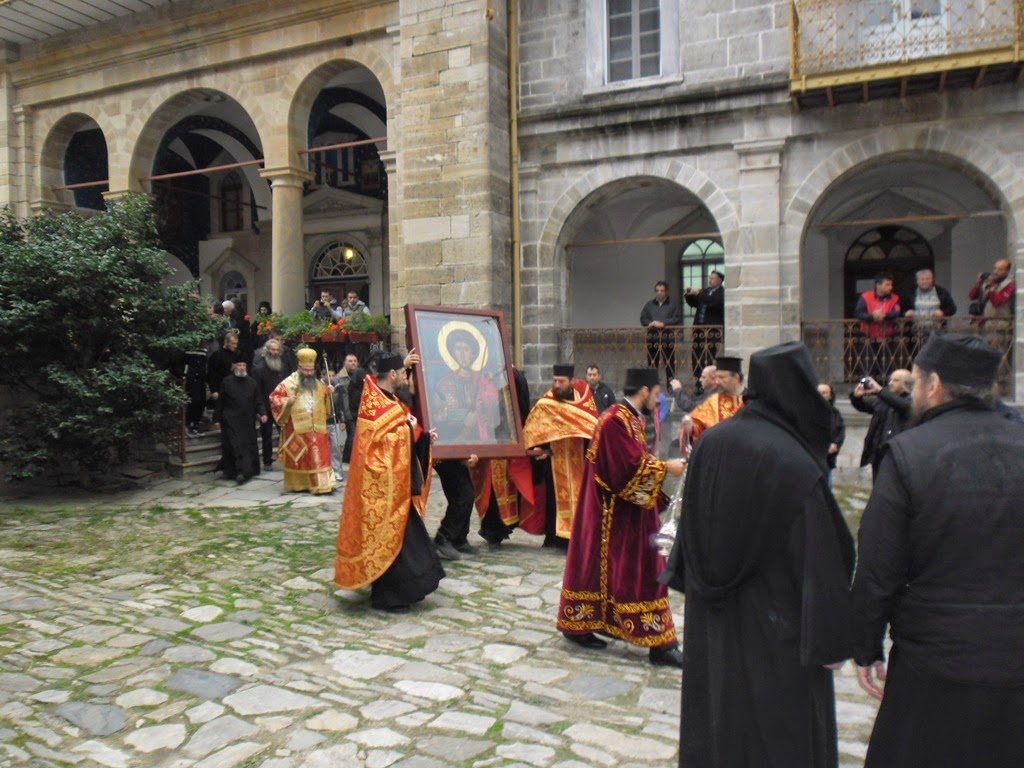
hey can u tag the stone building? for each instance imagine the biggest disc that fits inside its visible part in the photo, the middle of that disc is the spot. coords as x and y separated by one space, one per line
800 146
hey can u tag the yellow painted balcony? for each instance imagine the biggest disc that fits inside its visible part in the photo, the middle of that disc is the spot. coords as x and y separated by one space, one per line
860 50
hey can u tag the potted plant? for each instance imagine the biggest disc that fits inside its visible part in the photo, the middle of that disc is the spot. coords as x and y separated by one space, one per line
298 327
363 327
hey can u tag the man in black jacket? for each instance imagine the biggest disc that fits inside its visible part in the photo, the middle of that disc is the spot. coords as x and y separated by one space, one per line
604 397
889 409
273 368
658 316
940 563
710 305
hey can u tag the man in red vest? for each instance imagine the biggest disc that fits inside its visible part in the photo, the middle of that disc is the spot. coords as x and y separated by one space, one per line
878 311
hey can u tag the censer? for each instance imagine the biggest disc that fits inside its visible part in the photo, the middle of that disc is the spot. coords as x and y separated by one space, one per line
665 538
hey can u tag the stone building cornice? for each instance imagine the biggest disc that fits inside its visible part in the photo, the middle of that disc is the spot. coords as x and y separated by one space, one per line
656 105
210 32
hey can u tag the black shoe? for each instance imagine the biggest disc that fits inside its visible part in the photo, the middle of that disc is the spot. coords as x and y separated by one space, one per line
269 465
241 478
666 656
467 549
556 542
588 640
446 550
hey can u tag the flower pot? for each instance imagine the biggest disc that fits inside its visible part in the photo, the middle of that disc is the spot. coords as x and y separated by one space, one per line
308 337
362 336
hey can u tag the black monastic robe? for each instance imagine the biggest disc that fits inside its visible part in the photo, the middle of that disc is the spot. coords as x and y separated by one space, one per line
765 558
236 410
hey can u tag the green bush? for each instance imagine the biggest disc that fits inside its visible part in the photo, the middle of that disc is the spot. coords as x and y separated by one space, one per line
92 336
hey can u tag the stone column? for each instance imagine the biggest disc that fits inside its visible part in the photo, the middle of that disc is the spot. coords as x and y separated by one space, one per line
7 127
762 291
287 260
452 226
21 175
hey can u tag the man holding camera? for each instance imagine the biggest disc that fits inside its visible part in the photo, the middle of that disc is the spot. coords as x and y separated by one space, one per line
889 409
992 303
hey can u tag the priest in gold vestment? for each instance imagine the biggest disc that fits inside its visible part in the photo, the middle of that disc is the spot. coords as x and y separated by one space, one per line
301 406
724 403
558 428
382 540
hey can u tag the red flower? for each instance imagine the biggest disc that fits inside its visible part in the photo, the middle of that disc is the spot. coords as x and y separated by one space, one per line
248 318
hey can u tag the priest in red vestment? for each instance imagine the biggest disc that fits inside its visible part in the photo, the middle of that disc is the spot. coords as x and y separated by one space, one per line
556 430
301 405
611 572
724 403
382 540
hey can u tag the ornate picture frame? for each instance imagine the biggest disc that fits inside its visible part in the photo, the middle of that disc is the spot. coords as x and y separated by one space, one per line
464 382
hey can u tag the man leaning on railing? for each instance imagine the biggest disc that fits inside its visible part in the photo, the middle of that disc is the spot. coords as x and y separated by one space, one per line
657 316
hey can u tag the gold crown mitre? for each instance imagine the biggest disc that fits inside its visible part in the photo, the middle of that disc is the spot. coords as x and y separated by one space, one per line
307 357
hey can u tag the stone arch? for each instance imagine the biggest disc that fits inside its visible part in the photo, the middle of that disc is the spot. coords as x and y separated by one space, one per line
305 85
50 170
684 175
992 170
166 106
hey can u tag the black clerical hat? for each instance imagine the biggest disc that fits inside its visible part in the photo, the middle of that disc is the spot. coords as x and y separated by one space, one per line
960 359
563 370
390 363
731 364
637 378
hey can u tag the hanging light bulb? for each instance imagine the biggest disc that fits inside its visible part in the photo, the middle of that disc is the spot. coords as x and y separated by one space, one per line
349 254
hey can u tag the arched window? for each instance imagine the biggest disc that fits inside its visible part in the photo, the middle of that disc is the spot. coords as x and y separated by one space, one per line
697 261
340 267
898 251
339 261
231 203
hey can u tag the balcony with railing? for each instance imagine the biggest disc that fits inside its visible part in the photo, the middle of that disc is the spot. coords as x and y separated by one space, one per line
860 50
842 353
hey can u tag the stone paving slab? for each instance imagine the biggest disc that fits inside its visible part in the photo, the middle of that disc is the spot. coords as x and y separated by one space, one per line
193 624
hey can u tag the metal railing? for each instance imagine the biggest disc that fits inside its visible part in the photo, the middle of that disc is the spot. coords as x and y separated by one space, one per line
684 350
842 352
829 37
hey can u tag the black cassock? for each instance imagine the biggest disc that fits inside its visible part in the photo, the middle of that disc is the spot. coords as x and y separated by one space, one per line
765 559
236 409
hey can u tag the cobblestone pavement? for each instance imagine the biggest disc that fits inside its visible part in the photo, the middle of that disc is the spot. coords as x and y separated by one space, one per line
193 623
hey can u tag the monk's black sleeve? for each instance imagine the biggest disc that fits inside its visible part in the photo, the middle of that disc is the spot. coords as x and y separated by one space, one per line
883 554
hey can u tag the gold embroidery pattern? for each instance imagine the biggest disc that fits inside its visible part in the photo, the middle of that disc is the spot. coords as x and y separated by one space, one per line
645 623
377 495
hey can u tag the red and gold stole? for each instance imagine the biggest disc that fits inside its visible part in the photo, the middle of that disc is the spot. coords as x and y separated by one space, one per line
715 409
378 491
564 425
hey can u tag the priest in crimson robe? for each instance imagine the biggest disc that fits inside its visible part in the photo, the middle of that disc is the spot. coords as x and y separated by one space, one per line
301 406
556 430
611 572
382 540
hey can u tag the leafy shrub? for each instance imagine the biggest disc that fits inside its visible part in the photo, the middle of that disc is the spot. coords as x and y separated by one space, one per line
92 336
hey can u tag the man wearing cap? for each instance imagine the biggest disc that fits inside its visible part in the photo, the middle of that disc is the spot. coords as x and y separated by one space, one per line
235 413
939 562
556 432
301 405
611 584
723 403
765 558
382 540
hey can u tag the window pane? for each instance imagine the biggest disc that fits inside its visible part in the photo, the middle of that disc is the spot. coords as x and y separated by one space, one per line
650 21
650 66
648 45
620 50
621 26
618 7
620 71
